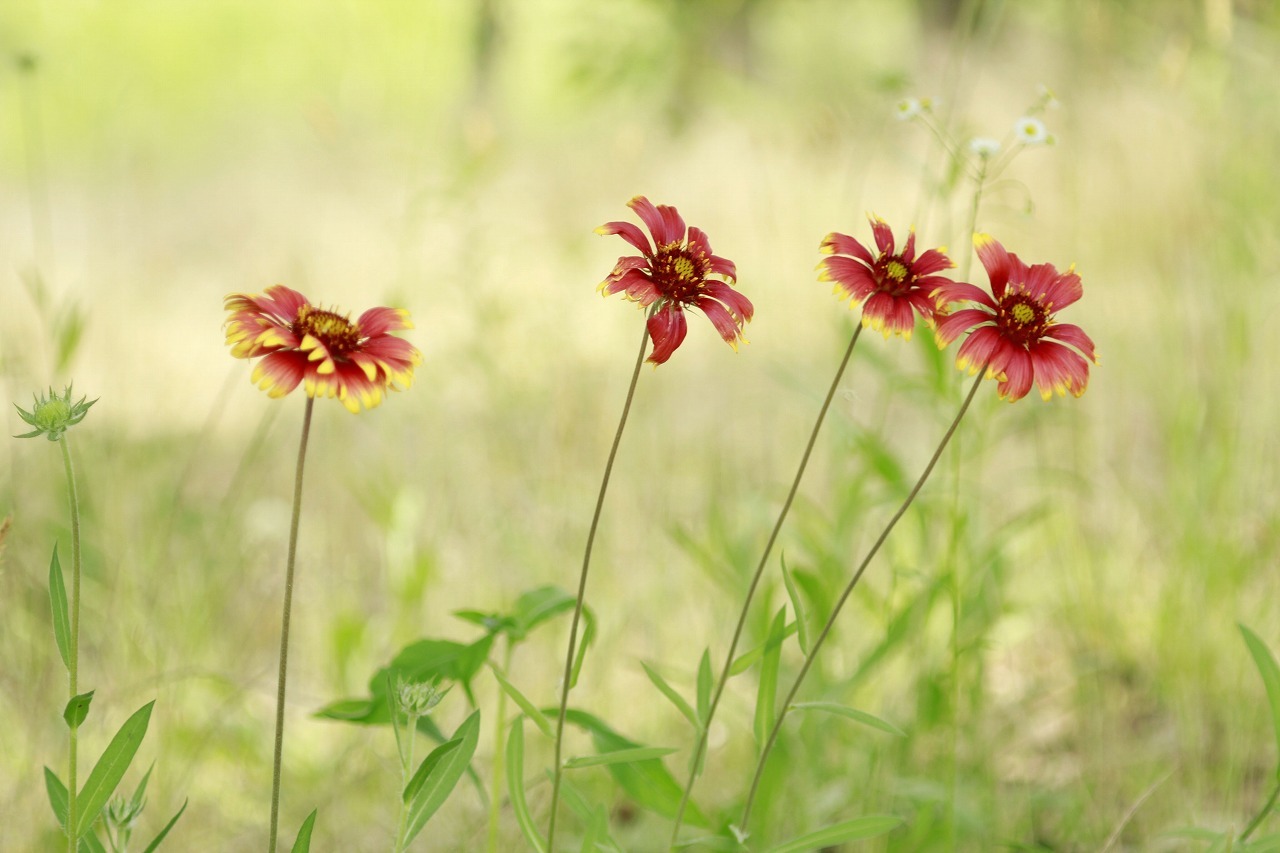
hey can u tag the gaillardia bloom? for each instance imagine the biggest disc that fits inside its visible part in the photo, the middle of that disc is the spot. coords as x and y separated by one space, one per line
678 270
1014 334
324 350
890 286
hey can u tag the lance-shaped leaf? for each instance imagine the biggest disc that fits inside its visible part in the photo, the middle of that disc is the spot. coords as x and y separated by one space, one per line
438 775
852 714
58 604
77 709
155 842
868 826
302 844
515 787
110 769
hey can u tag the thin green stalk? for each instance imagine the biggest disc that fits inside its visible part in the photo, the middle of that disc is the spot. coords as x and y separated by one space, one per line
853 582
74 667
705 725
406 774
495 794
1266 810
284 624
557 770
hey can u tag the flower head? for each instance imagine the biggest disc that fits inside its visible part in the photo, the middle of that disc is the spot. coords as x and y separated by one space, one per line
331 355
909 108
889 285
53 416
1031 131
984 147
676 271
1012 330
417 698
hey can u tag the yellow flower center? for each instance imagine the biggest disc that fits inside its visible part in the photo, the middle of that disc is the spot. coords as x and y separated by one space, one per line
896 270
338 334
1023 313
679 272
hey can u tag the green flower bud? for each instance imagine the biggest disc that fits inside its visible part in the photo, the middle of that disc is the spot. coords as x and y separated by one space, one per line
53 416
417 698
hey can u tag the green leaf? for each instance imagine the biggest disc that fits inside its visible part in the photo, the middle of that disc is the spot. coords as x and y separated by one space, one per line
767 693
91 844
303 842
515 786
537 606
530 710
438 775
647 782
57 797
618 756
140 792
58 603
704 686
797 605
596 837
155 842
77 709
106 774
588 635
852 713
748 659
670 692
868 826
1270 673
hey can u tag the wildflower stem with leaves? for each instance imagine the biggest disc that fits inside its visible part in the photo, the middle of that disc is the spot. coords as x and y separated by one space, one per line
52 417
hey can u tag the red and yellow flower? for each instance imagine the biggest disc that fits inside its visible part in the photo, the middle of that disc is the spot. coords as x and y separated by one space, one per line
327 352
677 270
891 286
1012 330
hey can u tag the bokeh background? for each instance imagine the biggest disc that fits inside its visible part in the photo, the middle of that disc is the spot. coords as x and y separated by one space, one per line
453 157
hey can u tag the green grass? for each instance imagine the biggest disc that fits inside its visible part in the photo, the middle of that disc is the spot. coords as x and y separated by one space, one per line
1107 547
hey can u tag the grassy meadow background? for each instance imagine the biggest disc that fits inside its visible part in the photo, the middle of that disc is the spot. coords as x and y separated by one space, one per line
454 158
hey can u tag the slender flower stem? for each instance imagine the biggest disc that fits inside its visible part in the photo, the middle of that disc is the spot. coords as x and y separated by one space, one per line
1266 810
853 582
406 774
284 624
705 725
979 184
495 794
582 588
74 666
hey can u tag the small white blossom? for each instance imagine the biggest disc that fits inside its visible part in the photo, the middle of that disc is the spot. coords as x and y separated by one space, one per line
984 147
1031 131
909 108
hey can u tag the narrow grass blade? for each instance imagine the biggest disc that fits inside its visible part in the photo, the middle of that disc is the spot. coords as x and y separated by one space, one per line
58 603
91 844
670 692
302 844
515 786
868 826
704 686
597 837
619 756
647 782
1270 673
77 709
748 659
852 713
530 710
588 635
439 774
106 774
155 842
797 605
57 797
767 694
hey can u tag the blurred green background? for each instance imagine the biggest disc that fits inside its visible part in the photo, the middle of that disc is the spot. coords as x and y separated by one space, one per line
453 157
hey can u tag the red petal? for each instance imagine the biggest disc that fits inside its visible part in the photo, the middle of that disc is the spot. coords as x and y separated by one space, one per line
842 244
628 232
667 329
